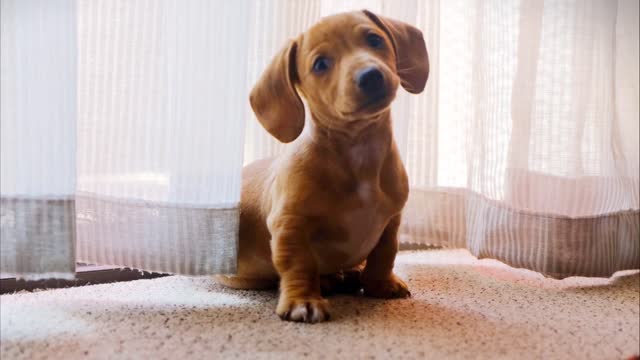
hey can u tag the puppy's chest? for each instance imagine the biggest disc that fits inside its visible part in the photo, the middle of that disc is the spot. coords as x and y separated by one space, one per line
366 219
357 215
354 227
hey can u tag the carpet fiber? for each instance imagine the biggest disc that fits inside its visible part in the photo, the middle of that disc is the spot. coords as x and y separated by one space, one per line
461 308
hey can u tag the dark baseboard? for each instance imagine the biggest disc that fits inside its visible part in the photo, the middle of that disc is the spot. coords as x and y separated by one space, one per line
85 275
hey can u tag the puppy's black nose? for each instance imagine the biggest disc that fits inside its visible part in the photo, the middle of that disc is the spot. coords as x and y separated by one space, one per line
371 81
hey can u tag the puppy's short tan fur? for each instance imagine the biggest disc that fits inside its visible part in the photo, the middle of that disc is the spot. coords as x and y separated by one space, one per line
332 202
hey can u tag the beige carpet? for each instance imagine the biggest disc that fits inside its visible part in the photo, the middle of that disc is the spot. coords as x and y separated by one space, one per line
461 308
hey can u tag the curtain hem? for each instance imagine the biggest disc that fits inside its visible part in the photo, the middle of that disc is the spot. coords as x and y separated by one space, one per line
557 247
156 236
37 237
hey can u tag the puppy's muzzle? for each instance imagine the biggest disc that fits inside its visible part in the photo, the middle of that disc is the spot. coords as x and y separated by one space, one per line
371 82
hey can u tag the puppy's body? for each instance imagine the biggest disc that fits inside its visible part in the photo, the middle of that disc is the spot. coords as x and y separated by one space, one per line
334 198
346 190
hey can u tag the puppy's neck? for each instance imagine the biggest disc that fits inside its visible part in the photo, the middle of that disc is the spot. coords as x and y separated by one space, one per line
361 145
349 131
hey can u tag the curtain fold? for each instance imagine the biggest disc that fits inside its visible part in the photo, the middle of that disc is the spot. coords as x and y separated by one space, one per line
161 109
37 138
122 134
531 167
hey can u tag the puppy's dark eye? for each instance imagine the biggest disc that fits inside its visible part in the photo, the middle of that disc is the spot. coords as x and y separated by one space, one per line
321 64
375 41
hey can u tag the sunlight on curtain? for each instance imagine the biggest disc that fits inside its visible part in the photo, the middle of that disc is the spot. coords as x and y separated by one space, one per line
161 109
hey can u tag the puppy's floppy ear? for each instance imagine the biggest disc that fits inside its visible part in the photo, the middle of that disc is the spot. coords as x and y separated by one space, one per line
274 99
412 60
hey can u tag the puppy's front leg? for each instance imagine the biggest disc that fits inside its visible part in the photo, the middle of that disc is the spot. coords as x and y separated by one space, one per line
378 279
300 298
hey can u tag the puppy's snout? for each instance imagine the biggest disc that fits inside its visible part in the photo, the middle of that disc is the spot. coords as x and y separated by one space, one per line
371 81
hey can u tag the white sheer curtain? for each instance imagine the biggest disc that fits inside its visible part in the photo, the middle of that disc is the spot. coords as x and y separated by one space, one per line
160 109
537 158
37 137
130 114
126 117
524 146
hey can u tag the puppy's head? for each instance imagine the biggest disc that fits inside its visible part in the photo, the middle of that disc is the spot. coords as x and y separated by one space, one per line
348 67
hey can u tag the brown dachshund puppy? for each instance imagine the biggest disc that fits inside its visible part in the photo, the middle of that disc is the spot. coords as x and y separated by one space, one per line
333 200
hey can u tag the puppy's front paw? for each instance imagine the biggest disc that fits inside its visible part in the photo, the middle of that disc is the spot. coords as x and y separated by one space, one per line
309 310
393 287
